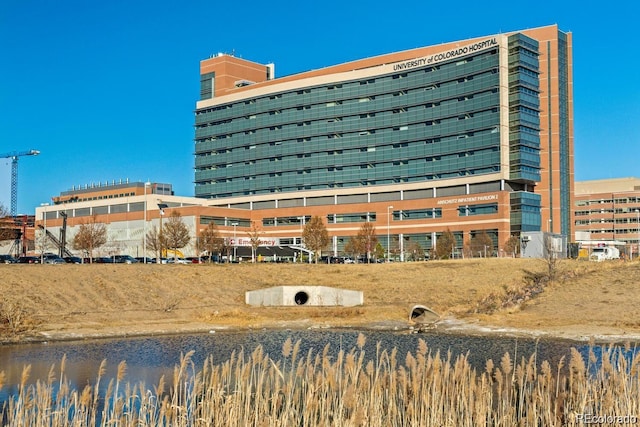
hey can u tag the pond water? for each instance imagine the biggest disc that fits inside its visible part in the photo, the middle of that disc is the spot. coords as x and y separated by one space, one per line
148 358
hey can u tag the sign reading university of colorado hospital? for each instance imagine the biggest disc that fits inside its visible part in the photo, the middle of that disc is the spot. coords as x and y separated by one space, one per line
444 56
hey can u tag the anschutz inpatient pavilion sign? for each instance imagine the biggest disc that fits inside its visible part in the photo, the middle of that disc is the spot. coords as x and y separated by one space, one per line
469 199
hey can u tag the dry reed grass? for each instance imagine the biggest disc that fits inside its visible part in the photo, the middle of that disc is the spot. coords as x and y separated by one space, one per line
316 389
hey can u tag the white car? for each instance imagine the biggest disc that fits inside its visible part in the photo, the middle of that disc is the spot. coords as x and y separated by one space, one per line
178 260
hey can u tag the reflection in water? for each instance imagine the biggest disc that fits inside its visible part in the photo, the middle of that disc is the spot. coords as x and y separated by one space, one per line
149 358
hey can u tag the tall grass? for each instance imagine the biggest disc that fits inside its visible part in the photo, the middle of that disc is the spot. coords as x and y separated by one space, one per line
422 388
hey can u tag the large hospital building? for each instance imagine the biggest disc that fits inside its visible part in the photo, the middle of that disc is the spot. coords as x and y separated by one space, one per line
470 136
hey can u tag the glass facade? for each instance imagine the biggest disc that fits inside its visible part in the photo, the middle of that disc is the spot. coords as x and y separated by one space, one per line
524 109
525 211
565 143
423 124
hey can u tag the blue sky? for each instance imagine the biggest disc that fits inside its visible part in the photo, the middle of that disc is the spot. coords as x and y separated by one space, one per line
106 89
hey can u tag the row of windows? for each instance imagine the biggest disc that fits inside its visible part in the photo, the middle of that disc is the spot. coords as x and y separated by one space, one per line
443 70
425 240
210 191
442 127
98 210
328 153
484 209
351 217
225 221
288 112
617 201
617 211
384 142
413 153
441 108
415 82
596 221
76 199
615 231
461 164
412 214
285 221
409 214
339 172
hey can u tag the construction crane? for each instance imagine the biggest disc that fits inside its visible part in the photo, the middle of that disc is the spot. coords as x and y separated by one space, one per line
14 175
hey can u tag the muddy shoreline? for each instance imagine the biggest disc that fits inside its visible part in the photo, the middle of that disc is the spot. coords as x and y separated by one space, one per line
446 326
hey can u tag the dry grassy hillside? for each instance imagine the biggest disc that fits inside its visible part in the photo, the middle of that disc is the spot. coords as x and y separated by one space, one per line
68 300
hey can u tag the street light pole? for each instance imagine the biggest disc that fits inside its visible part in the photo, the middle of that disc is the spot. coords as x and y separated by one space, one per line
388 227
301 234
235 244
161 207
44 238
144 225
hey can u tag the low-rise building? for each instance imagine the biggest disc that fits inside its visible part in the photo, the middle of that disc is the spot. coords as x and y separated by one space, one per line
607 211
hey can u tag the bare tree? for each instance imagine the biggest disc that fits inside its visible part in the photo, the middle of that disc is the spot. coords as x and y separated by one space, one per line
7 230
254 238
42 241
394 247
445 244
154 242
351 247
481 244
367 239
210 240
315 236
550 256
415 251
175 234
512 245
90 236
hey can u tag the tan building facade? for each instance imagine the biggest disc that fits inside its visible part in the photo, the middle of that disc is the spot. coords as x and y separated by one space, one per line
608 210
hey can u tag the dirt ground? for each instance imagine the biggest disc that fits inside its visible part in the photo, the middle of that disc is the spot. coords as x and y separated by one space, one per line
586 300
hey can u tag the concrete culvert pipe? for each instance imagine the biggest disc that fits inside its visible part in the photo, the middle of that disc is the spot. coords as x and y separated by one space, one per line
301 298
423 314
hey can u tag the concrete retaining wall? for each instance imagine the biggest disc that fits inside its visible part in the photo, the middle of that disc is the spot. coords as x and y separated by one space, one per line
304 295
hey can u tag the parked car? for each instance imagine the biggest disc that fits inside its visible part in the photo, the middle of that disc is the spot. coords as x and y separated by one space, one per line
7 259
178 260
73 260
103 260
125 259
142 259
29 260
162 261
53 259
195 260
